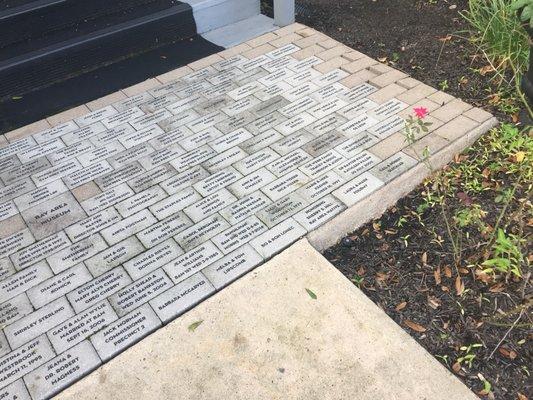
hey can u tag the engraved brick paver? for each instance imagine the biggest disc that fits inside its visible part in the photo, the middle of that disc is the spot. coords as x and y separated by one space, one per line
134 208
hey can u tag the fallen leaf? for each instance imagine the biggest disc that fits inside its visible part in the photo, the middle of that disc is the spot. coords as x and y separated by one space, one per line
433 302
436 274
466 199
382 276
445 38
494 99
456 366
459 286
486 69
464 271
447 271
311 294
414 326
401 306
424 258
382 59
482 276
521 396
519 156
511 354
498 288
192 327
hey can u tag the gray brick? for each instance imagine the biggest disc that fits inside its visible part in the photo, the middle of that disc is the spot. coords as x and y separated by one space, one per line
98 289
277 238
182 297
38 322
319 212
153 258
140 292
76 253
163 230
128 226
62 371
357 189
239 234
114 256
232 266
58 285
80 327
125 332
24 359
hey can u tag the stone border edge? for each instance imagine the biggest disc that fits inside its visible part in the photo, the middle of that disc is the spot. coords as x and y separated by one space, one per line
374 205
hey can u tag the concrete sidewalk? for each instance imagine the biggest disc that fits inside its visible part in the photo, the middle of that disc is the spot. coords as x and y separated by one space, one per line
264 337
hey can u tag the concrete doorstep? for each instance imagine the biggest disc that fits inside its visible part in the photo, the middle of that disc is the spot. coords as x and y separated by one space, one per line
265 337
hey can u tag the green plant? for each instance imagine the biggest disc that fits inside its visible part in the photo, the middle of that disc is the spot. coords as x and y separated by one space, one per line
507 256
499 33
469 355
357 280
471 216
500 36
443 85
525 9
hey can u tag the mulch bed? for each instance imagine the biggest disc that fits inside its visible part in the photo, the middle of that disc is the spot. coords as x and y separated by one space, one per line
403 262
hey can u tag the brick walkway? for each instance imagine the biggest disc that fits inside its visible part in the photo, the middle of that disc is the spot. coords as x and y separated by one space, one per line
119 215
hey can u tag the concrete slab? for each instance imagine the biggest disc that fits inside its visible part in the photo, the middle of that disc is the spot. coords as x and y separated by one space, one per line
266 338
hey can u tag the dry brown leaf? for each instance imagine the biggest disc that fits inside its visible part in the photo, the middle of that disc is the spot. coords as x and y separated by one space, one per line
414 326
498 288
521 396
401 306
459 286
445 38
424 258
456 366
433 302
511 354
464 271
447 271
436 274
482 276
486 69
382 276
494 99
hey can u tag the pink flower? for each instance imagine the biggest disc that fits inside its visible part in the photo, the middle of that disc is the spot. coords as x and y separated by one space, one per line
420 112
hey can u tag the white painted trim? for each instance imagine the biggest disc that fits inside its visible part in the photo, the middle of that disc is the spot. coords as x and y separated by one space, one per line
283 12
213 14
242 31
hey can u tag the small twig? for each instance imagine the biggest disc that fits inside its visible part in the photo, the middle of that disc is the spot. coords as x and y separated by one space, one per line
506 334
524 286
